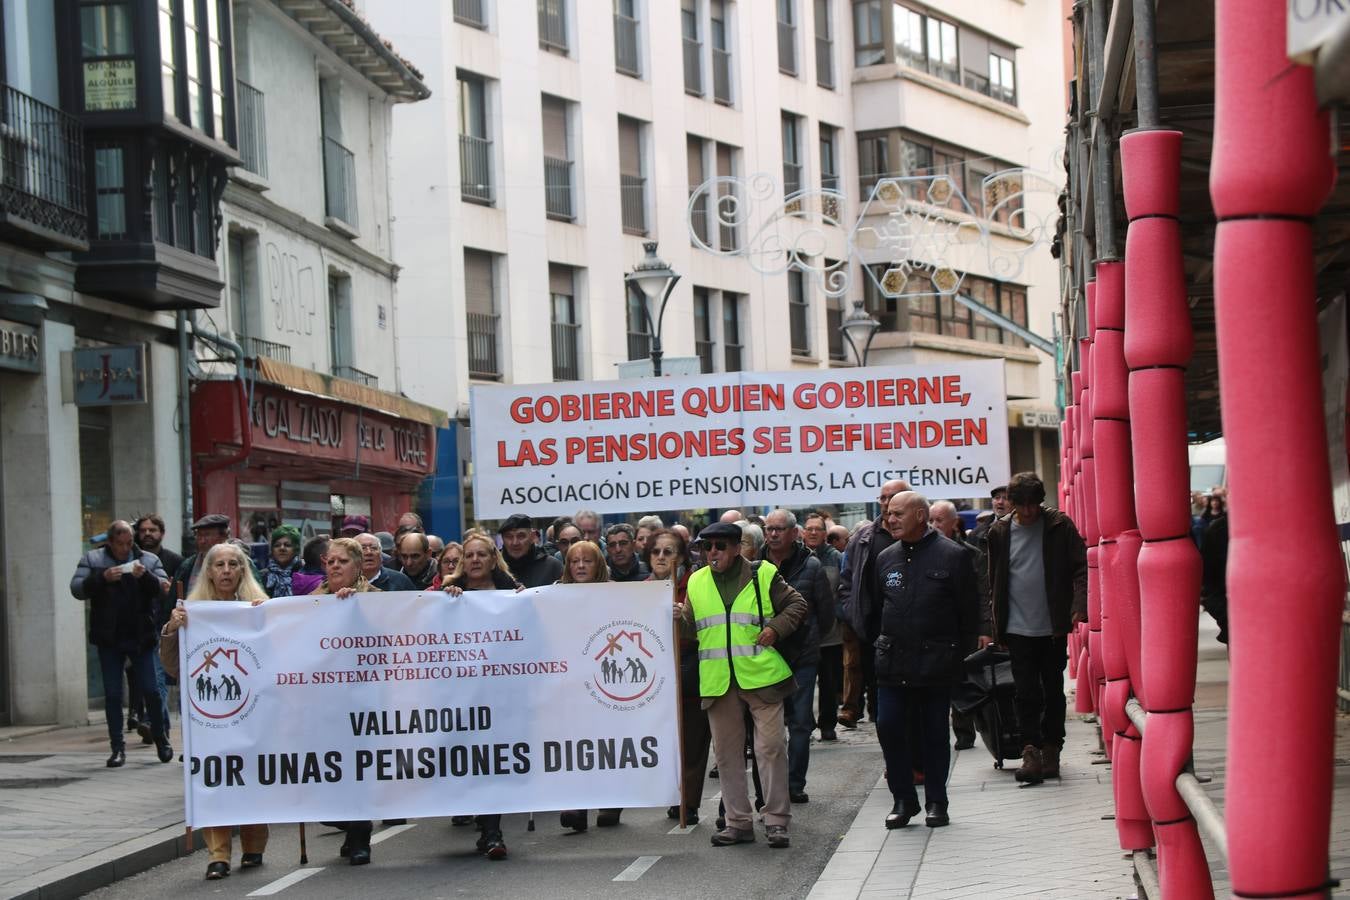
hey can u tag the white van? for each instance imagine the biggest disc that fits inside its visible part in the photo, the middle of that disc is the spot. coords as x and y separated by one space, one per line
1209 465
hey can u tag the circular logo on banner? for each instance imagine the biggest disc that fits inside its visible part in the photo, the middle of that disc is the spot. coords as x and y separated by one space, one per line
220 680
623 657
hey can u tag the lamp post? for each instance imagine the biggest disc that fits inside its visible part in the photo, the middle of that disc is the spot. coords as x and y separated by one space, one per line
654 277
858 328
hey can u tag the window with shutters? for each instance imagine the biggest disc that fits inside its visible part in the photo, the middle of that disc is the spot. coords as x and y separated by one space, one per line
696 162
792 159
799 313
481 312
725 215
733 342
475 145
559 192
566 329
639 335
787 37
632 176
703 335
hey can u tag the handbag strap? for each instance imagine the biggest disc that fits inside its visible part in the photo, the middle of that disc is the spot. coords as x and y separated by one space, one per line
759 600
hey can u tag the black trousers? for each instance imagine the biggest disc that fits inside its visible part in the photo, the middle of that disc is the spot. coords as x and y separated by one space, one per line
1038 682
697 739
912 728
830 682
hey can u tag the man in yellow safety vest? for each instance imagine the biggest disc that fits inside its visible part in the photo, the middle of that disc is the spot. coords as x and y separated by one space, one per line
739 611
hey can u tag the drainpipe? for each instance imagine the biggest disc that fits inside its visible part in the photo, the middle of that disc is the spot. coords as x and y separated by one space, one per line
244 401
1271 171
184 425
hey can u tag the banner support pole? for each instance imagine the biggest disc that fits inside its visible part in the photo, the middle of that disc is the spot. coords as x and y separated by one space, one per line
679 694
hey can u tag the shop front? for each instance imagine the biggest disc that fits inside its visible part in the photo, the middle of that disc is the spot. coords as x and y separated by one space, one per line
275 453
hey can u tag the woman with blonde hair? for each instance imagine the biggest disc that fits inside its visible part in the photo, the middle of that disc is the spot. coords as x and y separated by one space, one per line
482 568
226 575
342 567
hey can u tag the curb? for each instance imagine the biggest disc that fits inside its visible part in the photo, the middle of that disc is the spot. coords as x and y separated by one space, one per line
79 877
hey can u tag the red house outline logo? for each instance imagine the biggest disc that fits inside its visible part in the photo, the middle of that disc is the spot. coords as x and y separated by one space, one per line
616 675
216 682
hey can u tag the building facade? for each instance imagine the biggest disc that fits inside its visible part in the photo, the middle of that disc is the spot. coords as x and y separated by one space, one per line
563 135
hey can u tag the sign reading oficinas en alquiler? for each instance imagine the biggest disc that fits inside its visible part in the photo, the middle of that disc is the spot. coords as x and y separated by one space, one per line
109 376
109 84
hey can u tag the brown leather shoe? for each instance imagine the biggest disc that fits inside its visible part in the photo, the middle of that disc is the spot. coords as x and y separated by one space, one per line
1031 771
1050 761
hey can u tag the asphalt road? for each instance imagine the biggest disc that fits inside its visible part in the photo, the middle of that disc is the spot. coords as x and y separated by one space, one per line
429 858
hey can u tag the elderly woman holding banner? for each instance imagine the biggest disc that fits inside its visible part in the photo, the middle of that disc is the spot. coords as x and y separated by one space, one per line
344 578
226 575
482 568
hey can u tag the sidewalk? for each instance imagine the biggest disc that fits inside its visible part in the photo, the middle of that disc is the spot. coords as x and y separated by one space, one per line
1051 840
68 824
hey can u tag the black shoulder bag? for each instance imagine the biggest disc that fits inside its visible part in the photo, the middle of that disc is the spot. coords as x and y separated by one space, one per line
790 647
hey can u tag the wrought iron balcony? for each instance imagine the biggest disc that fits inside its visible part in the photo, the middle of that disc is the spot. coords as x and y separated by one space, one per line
733 357
634 202
792 178
639 345
721 60
558 188
483 346
252 128
566 366
693 67
471 12
255 347
698 215
704 351
553 25
339 182
42 198
626 58
351 373
475 168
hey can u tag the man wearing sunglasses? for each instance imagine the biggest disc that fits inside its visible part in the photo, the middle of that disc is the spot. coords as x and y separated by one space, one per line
738 610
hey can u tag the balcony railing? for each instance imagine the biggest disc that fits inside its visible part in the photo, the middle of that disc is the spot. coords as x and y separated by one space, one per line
721 65
255 347
698 216
733 357
351 373
787 48
252 128
558 188
797 331
41 172
483 346
633 189
704 351
834 317
693 67
565 355
726 217
471 12
639 345
626 58
339 182
825 62
475 168
792 178
553 25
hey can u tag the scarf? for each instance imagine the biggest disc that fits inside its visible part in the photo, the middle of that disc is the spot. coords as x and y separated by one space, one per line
277 578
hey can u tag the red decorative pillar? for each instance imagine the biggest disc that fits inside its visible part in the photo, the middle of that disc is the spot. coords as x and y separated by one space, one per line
1271 172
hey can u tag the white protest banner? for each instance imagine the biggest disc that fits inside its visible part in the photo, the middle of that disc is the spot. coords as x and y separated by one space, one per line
739 439
401 705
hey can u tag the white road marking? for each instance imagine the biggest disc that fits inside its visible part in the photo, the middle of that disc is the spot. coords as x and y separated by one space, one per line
285 881
635 871
716 796
392 830
685 830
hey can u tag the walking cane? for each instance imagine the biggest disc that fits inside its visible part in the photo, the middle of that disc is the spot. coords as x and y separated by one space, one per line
304 857
530 825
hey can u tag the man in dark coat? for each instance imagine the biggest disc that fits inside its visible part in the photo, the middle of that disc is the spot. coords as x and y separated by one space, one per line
1038 578
373 568
207 531
855 580
414 551
922 617
150 533
802 570
122 584
621 550
830 672
532 566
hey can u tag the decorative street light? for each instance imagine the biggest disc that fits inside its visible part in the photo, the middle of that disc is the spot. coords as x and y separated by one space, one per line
654 277
858 328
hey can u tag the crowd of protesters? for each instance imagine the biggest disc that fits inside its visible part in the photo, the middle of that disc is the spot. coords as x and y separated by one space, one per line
792 626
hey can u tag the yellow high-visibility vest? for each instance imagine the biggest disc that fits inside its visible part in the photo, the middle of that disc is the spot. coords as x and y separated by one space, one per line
727 637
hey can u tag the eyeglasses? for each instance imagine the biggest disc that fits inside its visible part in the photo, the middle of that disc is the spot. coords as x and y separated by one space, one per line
775 529
717 544
665 551
564 542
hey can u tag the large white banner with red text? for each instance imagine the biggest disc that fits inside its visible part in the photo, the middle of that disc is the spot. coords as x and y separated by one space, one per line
740 439
402 705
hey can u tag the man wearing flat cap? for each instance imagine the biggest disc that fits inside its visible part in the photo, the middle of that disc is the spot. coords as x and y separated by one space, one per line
526 560
738 611
207 531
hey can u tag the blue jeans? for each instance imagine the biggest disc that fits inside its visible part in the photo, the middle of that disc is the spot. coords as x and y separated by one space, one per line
927 708
142 671
801 721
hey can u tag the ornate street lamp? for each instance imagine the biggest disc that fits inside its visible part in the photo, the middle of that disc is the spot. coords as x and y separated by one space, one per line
858 328
654 277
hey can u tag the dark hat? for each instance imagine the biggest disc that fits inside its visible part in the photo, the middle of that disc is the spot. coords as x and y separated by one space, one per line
721 530
1001 489
386 541
215 520
355 524
519 520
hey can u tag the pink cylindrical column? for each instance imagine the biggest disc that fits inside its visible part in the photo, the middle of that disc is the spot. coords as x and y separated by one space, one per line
1158 345
1271 172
